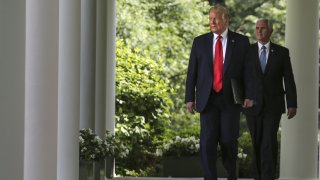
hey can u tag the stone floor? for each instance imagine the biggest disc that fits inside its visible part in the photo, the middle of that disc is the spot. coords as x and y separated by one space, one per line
169 178
163 178
182 178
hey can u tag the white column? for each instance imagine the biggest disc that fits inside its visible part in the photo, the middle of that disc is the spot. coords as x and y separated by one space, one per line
87 66
111 64
100 116
68 91
12 80
299 148
41 106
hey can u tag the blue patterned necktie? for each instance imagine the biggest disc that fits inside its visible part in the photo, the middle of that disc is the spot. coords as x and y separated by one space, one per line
263 58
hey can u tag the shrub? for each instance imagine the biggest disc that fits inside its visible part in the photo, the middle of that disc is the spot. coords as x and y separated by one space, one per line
93 148
178 147
90 146
142 108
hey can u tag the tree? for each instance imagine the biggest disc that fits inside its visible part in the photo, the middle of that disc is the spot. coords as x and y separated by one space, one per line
165 30
244 15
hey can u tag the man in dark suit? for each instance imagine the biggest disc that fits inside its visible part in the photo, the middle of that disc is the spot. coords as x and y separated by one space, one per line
271 69
213 62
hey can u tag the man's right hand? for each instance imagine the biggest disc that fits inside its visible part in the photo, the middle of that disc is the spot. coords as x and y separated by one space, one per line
190 107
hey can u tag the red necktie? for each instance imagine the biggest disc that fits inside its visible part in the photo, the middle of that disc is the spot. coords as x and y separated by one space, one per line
218 66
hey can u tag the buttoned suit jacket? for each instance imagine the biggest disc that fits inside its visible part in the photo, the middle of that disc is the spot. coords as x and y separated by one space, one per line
276 84
199 80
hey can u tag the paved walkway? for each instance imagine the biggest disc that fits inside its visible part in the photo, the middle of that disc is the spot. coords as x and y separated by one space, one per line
164 178
169 178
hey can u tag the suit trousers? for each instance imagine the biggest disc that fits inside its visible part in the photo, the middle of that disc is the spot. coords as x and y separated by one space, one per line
219 125
263 129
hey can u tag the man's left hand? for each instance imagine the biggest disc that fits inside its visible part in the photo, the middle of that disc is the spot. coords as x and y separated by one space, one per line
248 103
291 112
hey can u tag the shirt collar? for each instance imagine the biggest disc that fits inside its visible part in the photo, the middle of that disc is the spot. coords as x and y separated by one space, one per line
224 34
266 45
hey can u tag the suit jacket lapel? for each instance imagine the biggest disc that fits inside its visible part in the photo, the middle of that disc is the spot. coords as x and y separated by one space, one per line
257 59
271 57
209 49
230 45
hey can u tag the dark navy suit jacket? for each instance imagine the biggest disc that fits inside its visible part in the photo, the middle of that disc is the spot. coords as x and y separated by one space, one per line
200 68
275 84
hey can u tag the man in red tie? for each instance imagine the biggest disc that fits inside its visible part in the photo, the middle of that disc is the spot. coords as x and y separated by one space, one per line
216 57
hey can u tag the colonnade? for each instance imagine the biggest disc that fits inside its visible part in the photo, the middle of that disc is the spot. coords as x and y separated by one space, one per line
57 74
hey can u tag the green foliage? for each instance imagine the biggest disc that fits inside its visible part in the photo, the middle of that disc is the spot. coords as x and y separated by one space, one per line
90 146
244 16
164 30
245 164
180 146
93 148
113 147
142 107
